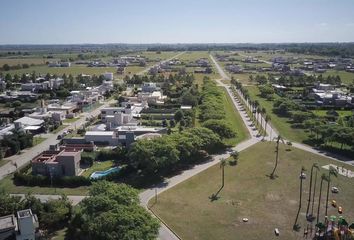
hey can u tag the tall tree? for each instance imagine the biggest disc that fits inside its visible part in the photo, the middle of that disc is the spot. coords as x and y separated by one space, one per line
296 226
279 139
314 192
323 178
314 166
331 172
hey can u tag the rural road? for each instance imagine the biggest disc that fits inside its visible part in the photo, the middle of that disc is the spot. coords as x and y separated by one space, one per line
17 161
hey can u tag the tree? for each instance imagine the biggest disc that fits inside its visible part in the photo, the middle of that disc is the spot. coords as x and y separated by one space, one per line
314 193
279 138
314 166
323 178
112 212
235 156
56 212
331 172
220 127
267 119
263 112
296 226
222 166
179 115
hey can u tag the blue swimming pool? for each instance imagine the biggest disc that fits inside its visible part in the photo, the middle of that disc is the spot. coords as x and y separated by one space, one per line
99 174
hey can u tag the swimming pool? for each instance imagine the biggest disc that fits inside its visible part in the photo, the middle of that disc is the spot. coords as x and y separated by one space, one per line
99 174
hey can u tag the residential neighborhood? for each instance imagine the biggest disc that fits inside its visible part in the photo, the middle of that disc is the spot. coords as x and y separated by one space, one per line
146 120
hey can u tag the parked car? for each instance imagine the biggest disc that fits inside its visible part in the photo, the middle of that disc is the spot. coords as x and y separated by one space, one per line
334 203
335 190
340 210
276 231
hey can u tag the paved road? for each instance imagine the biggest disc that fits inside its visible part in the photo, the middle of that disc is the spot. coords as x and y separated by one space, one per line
44 198
17 161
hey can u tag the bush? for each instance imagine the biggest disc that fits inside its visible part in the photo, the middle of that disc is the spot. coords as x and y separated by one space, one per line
88 157
45 181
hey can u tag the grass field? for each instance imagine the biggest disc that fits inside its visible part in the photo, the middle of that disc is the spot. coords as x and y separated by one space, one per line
98 166
15 61
249 193
234 118
37 140
61 127
280 123
8 185
342 113
346 77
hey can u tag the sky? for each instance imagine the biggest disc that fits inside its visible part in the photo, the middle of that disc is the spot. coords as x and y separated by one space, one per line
175 21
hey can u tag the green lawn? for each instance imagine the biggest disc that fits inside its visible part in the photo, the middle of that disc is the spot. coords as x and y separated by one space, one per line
70 120
342 113
61 127
234 118
249 193
280 123
8 185
346 77
37 140
98 166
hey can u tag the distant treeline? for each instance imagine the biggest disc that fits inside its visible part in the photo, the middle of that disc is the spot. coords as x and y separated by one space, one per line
330 49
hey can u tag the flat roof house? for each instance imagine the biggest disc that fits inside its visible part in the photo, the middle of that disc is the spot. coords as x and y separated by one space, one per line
57 163
23 228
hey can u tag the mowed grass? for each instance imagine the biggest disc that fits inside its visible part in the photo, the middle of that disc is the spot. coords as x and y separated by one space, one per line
8 185
249 193
73 70
346 77
281 124
235 120
16 61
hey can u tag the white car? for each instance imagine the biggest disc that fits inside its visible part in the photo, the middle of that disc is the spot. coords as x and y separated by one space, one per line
335 190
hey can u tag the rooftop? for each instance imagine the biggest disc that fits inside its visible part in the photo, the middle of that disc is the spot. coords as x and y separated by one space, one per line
99 133
7 222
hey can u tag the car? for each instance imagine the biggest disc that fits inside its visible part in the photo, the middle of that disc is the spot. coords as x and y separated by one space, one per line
59 137
340 210
334 203
276 231
335 190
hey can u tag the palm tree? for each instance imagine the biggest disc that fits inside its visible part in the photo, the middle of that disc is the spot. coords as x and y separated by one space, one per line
331 171
222 166
323 178
296 226
314 166
267 119
314 192
279 138
263 112
258 110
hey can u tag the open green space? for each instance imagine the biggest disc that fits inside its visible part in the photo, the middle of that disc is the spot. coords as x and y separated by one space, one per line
346 77
282 124
98 166
73 70
341 113
233 117
61 127
70 120
250 193
37 140
8 185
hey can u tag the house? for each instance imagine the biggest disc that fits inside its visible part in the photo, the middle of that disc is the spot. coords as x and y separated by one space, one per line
21 228
149 87
102 137
35 87
30 124
68 108
57 163
24 96
108 76
234 68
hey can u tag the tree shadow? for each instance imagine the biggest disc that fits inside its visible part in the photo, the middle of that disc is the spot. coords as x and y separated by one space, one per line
296 227
215 196
272 177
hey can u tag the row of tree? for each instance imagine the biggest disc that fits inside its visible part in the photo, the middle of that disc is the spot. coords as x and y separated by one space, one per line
12 144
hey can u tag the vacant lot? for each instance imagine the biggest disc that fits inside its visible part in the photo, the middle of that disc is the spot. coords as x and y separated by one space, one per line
282 124
249 193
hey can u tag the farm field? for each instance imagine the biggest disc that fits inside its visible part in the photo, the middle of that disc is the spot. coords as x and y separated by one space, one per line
250 193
